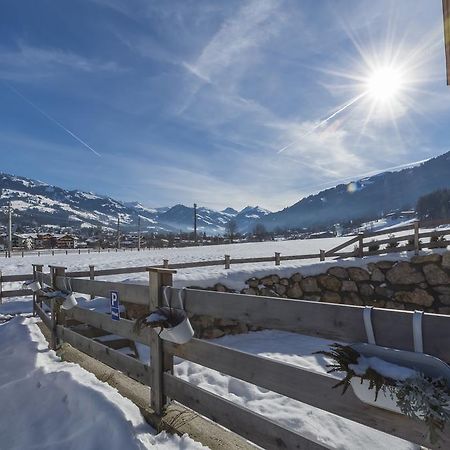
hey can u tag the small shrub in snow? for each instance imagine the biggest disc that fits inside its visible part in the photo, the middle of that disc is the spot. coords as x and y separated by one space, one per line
373 246
393 244
438 242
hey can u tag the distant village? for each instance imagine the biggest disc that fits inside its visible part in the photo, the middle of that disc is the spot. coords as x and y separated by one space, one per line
24 239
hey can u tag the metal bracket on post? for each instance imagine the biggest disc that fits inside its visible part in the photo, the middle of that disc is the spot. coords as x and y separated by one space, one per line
159 361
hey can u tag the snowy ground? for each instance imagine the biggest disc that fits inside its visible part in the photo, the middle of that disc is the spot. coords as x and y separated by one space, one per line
42 368
49 404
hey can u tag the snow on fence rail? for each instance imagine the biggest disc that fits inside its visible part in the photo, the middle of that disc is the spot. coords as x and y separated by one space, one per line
361 247
331 321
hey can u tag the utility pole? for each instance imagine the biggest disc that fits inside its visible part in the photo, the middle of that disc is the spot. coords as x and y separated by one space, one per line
9 229
139 233
118 232
195 222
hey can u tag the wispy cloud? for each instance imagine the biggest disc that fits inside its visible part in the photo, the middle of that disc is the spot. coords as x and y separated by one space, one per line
26 62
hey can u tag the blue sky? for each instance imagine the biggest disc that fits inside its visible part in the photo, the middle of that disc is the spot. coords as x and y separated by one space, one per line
181 101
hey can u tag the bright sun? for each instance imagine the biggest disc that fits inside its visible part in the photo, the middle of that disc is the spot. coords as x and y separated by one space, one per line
384 84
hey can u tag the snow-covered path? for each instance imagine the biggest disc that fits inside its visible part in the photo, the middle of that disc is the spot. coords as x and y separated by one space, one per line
52 405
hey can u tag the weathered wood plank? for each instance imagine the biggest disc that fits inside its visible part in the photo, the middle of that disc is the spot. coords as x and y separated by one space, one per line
13 278
393 328
299 257
44 317
341 246
78 274
17 293
187 265
122 327
313 388
389 240
435 245
126 364
428 234
252 426
133 293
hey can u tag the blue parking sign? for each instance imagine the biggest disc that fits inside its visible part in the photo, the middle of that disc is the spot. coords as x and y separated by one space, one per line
115 306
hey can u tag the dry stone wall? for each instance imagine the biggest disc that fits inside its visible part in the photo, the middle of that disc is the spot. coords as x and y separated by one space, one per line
421 283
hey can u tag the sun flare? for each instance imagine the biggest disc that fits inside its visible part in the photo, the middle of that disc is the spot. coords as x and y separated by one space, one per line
384 84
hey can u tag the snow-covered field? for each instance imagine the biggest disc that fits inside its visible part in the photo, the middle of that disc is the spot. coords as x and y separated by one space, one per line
52 405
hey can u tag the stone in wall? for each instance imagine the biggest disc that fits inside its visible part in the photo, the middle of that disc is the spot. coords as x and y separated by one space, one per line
310 285
404 273
349 286
377 275
358 274
295 291
366 289
435 275
296 278
331 297
330 282
338 272
352 298
417 297
446 261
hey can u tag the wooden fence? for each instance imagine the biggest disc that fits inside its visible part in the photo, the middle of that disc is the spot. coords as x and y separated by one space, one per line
361 245
332 321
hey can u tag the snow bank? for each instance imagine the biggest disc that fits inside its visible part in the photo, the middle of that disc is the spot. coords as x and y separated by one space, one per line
49 404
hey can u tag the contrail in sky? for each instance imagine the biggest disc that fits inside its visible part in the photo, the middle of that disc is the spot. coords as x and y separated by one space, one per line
60 125
324 121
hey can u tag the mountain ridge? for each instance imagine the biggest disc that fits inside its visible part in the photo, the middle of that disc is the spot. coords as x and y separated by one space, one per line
36 203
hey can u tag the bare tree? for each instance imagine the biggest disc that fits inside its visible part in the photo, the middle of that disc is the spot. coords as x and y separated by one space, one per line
231 230
260 232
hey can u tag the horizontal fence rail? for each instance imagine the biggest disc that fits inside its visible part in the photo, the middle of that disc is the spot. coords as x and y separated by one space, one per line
286 379
343 323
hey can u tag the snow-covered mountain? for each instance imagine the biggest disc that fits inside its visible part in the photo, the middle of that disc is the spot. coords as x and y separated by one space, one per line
365 199
36 203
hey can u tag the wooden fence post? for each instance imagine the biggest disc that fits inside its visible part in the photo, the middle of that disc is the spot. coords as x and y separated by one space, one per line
277 258
165 263
227 261
360 245
159 362
55 271
416 237
322 255
92 275
1 287
36 268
